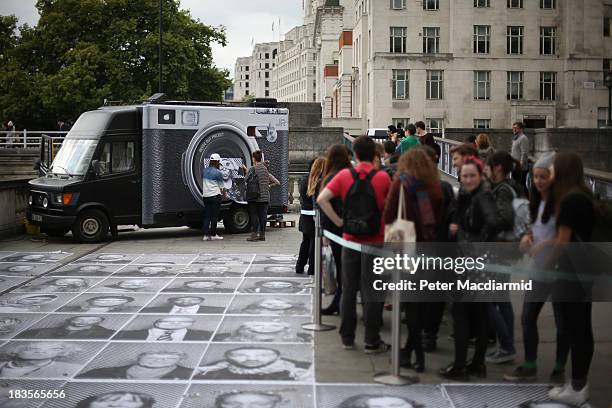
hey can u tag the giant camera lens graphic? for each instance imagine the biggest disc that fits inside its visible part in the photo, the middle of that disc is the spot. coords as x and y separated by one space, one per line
232 144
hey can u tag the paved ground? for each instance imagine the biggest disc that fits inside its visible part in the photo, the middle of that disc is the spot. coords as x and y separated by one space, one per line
339 374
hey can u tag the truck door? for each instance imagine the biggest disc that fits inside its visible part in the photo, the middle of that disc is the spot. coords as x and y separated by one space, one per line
46 155
118 180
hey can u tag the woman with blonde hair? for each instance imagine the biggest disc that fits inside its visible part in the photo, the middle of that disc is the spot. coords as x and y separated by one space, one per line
484 146
308 186
423 203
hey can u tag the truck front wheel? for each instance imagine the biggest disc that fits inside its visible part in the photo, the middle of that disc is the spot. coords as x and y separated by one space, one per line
237 219
91 226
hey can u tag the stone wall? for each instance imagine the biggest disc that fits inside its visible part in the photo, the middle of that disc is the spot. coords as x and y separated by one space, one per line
593 145
303 114
307 143
13 205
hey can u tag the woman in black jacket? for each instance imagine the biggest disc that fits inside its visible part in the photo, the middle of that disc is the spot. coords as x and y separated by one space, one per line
306 226
338 158
475 221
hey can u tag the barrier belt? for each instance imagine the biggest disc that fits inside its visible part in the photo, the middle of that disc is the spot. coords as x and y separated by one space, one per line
307 212
520 270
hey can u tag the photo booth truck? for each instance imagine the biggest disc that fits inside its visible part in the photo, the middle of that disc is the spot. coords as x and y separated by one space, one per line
142 165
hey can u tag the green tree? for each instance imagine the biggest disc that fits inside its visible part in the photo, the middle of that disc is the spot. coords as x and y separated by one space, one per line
82 52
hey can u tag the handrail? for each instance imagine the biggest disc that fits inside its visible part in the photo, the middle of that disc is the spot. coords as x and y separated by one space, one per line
599 181
28 139
445 162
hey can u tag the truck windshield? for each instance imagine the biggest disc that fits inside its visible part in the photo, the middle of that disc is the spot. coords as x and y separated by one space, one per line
74 157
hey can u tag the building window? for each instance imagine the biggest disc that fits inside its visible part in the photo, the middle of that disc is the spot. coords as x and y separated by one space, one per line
482 39
267 65
606 64
548 40
434 125
267 84
267 93
397 39
247 77
606 27
400 83
247 68
482 3
515 4
431 4
398 4
548 86
267 74
431 40
514 40
548 4
482 123
602 117
267 55
514 90
246 84
400 122
435 84
482 85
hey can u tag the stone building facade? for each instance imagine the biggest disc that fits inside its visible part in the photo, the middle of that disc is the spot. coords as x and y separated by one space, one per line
450 63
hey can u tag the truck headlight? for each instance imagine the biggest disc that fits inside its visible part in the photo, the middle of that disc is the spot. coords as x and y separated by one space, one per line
30 199
45 202
57 199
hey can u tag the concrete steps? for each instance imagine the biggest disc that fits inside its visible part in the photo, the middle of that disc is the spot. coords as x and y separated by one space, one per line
17 164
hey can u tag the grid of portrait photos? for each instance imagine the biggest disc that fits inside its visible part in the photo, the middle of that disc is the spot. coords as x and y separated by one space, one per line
178 331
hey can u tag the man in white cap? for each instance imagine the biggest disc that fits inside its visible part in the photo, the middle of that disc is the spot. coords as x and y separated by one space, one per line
212 185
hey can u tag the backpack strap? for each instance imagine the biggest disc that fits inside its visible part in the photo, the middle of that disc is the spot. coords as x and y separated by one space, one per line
354 173
371 175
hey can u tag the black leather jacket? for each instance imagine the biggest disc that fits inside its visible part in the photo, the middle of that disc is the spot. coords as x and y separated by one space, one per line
476 215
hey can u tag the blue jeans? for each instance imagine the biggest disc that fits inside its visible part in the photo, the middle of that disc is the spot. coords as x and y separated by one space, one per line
531 338
501 317
211 214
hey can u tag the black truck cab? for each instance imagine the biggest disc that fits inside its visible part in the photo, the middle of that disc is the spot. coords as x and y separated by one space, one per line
94 182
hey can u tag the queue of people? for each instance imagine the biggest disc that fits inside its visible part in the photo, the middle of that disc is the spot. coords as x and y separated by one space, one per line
357 202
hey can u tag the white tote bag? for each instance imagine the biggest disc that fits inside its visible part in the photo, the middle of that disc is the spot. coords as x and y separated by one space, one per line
400 230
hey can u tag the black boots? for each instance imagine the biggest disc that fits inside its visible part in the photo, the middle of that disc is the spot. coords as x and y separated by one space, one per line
406 360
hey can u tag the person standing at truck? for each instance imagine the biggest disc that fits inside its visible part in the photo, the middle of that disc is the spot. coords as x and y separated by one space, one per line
259 181
212 186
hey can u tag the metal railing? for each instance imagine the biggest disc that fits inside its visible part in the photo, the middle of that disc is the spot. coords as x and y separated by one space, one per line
445 164
600 182
28 139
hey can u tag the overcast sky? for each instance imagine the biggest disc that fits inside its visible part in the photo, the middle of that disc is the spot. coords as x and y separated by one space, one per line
246 20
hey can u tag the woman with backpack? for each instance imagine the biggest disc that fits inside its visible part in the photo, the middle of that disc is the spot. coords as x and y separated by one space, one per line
337 158
501 314
259 181
307 187
537 244
475 221
423 204
575 218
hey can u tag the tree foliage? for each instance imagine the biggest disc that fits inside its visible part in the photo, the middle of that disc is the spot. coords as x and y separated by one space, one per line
82 52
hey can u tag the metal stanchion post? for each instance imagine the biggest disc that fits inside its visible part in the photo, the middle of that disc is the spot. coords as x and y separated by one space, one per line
316 324
394 377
